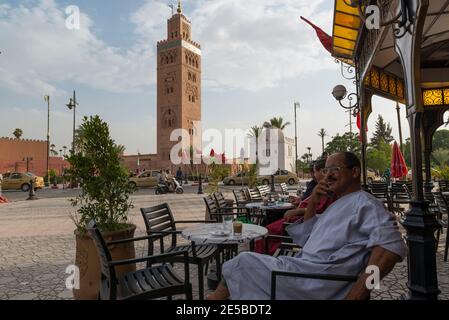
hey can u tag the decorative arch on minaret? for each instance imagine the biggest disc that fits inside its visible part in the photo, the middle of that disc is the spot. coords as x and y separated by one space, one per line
169 118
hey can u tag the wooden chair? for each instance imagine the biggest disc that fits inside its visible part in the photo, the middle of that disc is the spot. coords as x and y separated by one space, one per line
157 281
159 221
443 209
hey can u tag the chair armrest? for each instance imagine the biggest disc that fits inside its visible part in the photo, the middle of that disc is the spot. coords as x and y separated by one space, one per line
164 257
289 245
276 237
196 221
319 276
131 240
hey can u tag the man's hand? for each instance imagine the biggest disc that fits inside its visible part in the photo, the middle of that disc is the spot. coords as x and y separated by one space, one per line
319 192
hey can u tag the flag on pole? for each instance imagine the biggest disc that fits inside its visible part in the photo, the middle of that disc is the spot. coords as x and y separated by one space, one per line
325 39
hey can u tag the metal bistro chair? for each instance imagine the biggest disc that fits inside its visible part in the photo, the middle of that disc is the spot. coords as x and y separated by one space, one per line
399 195
240 197
284 188
149 283
380 191
329 277
443 209
159 221
443 185
264 190
254 195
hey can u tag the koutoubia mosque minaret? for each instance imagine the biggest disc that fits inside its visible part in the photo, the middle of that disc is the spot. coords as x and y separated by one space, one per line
178 84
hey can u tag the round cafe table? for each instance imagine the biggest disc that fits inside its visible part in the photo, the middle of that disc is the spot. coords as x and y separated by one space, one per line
225 240
273 211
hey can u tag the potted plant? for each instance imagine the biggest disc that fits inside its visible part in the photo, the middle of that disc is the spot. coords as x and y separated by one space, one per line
104 197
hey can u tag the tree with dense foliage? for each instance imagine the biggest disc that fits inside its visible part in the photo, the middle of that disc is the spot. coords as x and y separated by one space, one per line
103 179
382 133
441 140
346 142
18 133
441 156
379 159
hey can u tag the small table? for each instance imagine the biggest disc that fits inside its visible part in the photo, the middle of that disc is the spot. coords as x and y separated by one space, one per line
204 233
274 211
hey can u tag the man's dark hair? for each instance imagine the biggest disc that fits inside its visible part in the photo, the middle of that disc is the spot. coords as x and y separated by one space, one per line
320 163
351 160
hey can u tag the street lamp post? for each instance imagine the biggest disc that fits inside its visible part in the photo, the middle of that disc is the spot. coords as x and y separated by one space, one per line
47 99
28 160
296 106
341 93
72 105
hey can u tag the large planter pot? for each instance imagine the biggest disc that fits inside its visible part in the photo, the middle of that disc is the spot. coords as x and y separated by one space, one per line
88 261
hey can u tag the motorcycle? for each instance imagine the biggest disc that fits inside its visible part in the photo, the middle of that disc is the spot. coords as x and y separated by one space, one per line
163 188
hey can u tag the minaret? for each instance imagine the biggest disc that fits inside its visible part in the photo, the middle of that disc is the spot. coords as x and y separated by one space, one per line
178 84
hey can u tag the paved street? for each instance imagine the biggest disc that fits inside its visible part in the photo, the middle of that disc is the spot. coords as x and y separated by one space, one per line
37 244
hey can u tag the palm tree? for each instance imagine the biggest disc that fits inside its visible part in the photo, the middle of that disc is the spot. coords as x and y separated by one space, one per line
309 154
65 150
18 133
256 132
276 123
322 133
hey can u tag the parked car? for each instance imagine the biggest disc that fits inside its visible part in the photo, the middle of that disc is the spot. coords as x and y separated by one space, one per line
236 179
280 176
371 176
21 181
145 179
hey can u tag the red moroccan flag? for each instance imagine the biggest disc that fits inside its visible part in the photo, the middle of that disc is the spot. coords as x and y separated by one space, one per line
326 40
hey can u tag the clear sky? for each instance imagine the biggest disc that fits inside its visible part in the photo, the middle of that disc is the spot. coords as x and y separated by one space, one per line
258 59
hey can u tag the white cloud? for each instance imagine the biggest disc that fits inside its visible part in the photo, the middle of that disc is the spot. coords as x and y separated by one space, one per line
252 44
39 53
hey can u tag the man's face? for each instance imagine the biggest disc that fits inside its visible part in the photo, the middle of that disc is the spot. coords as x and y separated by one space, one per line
339 177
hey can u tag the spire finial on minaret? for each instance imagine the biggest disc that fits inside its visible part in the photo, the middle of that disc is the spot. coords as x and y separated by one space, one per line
179 7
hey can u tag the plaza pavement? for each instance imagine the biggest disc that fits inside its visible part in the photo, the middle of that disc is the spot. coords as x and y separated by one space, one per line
37 244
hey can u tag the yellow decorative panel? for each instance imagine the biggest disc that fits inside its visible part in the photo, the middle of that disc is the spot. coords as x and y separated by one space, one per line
384 82
343 43
446 96
342 51
375 78
345 33
433 97
392 86
342 6
367 81
400 88
347 20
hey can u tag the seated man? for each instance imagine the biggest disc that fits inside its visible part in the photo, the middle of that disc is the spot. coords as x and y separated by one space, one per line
277 227
352 233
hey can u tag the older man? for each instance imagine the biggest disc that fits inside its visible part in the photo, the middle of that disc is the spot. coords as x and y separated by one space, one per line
352 233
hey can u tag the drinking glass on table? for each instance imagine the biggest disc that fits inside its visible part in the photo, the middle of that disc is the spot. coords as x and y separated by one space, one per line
227 222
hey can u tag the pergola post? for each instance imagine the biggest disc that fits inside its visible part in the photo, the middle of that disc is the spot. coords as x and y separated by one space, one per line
365 110
419 223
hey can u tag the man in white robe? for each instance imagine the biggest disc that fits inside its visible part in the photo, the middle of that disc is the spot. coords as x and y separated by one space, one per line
354 232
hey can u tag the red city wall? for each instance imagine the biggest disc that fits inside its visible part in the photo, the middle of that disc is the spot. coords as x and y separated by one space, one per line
14 151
